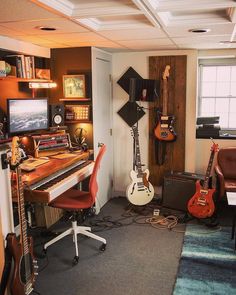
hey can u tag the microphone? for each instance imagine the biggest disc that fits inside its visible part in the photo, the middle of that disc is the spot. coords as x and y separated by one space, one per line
132 89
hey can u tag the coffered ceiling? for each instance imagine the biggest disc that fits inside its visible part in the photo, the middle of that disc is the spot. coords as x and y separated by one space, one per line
121 24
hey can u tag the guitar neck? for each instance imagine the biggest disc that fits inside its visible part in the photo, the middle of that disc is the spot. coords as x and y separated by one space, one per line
138 157
164 96
208 171
21 210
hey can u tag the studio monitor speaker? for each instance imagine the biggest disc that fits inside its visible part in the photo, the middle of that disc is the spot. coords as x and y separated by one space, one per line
57 114
178 188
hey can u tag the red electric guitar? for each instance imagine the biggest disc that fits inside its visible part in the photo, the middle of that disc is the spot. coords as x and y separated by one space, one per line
21 249
201 205
164 130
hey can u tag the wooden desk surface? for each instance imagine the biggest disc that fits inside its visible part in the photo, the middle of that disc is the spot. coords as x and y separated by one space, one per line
51 167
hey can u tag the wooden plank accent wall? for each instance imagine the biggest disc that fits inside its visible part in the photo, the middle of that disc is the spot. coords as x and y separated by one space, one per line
175 151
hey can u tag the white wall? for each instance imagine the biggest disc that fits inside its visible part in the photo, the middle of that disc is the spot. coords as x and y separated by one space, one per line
6 200
123 142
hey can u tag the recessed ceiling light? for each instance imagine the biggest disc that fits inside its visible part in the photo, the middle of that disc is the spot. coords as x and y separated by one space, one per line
45 28
199 31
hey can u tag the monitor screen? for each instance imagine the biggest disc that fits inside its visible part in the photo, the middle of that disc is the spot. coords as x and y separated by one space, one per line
27 115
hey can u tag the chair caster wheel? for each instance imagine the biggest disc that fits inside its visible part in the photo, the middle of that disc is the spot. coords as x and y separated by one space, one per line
103 247
45 251
75 260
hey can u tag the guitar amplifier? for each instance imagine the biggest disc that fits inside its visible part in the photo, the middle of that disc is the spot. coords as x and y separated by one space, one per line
178 188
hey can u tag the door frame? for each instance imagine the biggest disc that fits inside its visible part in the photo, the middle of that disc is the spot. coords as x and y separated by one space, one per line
105 56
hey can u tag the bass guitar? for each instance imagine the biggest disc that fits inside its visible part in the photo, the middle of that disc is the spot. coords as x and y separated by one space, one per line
21 249
164 130
140 191
202 205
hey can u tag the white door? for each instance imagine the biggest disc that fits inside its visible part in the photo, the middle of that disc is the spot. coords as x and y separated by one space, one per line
102 122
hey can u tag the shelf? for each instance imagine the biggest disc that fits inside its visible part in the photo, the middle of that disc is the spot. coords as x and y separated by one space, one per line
77 121
16 79
75 99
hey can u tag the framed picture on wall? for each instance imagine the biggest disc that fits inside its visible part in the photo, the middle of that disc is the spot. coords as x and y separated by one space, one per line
74 86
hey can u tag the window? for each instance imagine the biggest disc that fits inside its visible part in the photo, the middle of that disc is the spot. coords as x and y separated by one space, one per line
217 91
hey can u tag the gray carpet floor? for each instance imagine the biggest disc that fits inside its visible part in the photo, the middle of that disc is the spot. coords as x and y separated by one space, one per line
139 259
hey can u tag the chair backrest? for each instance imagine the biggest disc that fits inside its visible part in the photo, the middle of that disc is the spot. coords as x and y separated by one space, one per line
226 159
93 185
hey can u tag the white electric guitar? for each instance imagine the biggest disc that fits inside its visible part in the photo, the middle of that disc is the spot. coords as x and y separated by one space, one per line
140 191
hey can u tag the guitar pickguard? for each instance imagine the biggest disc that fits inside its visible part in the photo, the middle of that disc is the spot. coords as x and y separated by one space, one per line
164 130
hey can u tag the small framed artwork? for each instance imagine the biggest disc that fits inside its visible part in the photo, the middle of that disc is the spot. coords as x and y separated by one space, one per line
74 86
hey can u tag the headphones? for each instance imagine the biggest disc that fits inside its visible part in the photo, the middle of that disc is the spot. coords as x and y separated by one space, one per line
80 137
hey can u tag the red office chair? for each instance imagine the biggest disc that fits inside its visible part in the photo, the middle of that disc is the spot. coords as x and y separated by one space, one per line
75 200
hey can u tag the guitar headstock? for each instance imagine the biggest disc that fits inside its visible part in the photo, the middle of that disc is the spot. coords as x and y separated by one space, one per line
166 72
15 152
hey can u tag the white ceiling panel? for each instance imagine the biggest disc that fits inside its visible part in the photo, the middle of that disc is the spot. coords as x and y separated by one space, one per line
183 31
32 27
183 5
140 33
9 32
151 42
40 41
107 44
116 22
201 39
18 10
82 37
121 24
207 45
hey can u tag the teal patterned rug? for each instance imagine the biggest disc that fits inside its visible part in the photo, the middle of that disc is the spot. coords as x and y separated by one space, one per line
208 262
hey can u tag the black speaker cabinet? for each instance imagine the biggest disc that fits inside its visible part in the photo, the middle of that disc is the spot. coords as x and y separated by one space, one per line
57 114
178 188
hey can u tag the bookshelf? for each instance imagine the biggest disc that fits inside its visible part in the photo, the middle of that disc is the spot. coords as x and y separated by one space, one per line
14 86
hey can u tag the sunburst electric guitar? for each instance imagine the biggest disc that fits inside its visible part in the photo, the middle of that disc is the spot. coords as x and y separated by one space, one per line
140 191
164 130
202 205
21 249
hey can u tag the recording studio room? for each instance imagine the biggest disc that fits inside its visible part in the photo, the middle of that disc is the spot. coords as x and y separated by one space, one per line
117 145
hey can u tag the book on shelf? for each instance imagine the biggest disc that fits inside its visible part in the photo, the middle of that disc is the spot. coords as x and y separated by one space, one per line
3 68
24 65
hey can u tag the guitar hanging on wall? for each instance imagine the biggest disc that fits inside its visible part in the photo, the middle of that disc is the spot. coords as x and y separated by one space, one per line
21 250
140 191
201 205
164 130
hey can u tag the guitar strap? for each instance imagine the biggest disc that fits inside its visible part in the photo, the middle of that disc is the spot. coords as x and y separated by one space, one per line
160 151
6 270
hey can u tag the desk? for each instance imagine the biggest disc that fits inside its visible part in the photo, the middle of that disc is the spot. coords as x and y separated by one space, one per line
231 197
47 173
52 166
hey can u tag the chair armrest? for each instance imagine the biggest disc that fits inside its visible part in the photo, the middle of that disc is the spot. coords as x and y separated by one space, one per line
221 180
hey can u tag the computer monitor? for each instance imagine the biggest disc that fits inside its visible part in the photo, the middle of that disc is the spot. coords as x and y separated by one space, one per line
27 115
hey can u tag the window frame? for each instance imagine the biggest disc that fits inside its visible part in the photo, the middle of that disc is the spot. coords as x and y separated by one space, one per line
224 132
